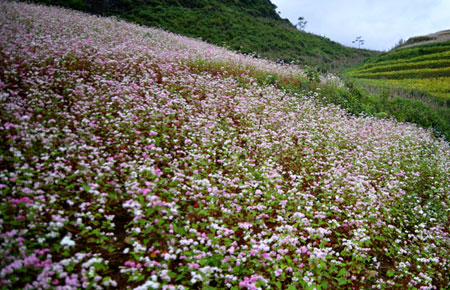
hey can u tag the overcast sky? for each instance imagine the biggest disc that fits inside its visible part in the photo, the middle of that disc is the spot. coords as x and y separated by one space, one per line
380 23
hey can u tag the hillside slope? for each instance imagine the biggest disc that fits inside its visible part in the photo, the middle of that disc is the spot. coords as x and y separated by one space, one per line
246 26
422 70
134 158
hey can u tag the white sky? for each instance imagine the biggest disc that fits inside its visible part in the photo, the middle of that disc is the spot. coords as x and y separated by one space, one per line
381 23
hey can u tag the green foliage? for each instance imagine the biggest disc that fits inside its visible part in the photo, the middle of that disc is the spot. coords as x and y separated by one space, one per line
312 74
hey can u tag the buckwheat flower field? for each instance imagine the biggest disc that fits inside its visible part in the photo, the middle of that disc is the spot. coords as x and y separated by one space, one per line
133 158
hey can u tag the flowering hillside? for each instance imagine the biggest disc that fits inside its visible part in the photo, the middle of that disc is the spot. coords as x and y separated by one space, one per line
132 158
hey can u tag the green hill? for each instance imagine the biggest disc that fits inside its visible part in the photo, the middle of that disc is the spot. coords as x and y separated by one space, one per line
246 26
424 69
418 75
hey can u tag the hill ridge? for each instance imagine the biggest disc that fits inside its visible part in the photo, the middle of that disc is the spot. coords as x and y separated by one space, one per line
440 36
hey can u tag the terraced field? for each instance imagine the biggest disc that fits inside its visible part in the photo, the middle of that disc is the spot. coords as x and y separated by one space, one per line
425 68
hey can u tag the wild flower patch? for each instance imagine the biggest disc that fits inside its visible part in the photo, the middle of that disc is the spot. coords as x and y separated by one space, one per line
133 158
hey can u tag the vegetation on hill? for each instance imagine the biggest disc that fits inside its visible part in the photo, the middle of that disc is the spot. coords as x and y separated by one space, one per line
246 26
134 158
399 63
420 73
423 65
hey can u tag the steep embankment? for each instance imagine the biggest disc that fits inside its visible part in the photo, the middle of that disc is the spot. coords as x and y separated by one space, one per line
135 158
244 26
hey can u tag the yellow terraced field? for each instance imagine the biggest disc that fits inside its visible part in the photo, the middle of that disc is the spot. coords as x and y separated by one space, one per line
407 73
437 87
402 66
424 68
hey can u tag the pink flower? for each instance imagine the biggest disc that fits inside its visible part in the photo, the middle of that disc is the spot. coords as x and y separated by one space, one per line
278 272
193 266
130 263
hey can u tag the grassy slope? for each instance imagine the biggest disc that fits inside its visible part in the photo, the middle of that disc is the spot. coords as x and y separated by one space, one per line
244 26
131 157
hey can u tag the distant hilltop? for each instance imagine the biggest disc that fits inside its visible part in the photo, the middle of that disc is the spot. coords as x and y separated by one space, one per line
440 36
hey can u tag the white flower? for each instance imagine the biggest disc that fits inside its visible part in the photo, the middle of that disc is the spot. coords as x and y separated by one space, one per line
66 241
91 261
147 285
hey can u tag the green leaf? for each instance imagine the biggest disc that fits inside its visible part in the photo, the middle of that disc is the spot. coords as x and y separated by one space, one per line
342 281
107 278
91 285
95 232
278 284
332 269
390 273
86 187
179 230
99 266
180 277
342 272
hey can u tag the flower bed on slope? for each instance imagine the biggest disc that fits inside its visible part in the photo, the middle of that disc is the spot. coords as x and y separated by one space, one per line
135 158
